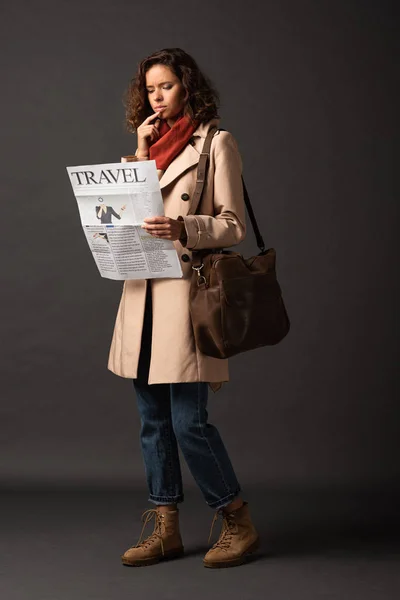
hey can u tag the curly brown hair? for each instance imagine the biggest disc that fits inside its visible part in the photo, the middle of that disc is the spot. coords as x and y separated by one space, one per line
202 98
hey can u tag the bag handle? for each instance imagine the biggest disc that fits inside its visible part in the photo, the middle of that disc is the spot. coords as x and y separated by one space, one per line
200 180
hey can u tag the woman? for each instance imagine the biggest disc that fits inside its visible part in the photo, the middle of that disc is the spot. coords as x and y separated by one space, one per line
105 213
171 105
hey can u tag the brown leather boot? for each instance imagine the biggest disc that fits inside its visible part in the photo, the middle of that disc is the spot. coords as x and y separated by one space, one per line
165 541
237 539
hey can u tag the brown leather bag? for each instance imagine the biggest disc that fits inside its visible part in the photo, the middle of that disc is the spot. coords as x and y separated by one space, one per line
236 303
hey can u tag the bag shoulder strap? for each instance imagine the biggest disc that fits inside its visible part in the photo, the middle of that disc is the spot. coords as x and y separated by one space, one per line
200 181
202 169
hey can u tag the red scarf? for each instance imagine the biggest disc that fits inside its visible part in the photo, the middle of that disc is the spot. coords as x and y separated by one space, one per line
171 141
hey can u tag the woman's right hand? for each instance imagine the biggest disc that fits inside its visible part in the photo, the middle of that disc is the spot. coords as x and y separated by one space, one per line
147 130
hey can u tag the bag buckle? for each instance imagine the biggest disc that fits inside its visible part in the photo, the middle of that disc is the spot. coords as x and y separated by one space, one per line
200 278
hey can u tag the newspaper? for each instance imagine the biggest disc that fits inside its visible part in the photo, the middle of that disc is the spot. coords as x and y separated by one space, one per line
113 199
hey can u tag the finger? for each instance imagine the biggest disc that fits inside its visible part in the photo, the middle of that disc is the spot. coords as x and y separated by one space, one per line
148 129
158 225
160 234
164 227
159 219
150 118
155 134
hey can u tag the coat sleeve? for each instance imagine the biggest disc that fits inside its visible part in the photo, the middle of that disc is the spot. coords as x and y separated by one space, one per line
228 225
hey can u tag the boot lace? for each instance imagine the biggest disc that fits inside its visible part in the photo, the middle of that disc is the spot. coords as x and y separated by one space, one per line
159 528
229 528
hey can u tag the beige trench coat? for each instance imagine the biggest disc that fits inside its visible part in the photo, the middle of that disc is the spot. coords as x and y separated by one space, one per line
174 355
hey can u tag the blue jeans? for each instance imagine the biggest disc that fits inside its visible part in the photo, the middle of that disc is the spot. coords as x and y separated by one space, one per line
172 414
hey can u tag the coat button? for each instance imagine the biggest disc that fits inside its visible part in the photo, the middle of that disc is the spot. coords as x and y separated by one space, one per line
185 257
185 196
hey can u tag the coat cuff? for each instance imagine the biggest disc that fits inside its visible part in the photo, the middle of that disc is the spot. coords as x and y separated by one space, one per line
193 230
137 158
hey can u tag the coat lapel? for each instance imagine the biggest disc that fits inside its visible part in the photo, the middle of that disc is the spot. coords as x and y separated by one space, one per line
189 156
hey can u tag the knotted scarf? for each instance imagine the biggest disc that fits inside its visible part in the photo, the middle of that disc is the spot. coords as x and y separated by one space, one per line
172 140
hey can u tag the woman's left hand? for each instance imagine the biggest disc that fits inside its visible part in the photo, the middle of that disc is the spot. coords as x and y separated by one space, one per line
164 227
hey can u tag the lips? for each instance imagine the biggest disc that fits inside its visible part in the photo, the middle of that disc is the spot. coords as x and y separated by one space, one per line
159 107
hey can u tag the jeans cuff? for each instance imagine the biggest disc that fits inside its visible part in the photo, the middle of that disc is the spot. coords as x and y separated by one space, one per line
225 500
166 499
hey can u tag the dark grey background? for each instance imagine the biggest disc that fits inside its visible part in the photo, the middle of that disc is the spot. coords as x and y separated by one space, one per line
307 91
312 425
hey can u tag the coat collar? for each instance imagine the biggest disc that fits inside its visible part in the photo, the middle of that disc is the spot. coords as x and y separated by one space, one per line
189 156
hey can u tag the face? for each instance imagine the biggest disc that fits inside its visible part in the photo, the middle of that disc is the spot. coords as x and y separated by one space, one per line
164 89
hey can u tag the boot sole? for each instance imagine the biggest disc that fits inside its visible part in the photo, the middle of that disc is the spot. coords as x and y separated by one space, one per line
144 562
235 561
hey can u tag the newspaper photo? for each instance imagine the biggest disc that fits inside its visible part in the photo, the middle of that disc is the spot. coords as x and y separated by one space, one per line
113 199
